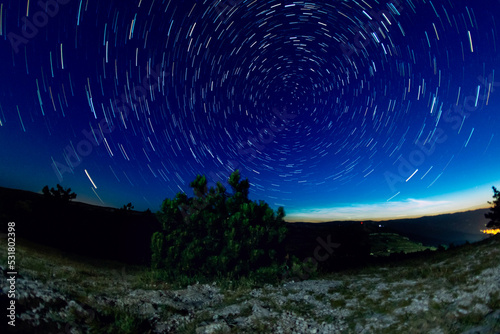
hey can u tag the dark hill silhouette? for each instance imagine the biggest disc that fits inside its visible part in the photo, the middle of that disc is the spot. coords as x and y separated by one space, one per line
457 228
335 245
85 229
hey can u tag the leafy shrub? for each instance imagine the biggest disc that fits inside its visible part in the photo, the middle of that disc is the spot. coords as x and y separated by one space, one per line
218 234
301 270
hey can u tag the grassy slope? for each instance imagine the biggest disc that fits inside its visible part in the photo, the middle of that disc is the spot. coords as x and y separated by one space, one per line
363 293
49 264
384 244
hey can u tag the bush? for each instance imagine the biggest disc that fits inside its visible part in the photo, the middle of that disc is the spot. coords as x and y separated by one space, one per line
125 208
301 270
59 194
217 234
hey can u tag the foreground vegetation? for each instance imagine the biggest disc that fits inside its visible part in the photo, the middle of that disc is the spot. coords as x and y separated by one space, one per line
453 290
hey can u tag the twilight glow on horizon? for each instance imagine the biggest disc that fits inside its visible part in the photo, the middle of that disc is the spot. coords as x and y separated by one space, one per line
335 110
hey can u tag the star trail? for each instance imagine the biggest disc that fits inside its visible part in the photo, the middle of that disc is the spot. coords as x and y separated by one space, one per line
333 109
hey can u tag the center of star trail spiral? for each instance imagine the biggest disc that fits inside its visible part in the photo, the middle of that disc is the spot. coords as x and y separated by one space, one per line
318 104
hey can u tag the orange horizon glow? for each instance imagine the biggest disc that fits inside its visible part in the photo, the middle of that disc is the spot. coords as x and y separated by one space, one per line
393 209
295 219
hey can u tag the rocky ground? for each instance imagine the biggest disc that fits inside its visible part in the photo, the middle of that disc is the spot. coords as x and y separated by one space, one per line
457 291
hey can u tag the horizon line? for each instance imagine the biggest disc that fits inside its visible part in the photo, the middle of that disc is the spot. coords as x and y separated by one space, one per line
320 221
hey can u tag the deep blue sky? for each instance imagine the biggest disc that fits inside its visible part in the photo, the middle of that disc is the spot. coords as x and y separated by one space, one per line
332 109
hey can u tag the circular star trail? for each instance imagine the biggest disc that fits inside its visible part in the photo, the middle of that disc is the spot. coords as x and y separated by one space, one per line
325 105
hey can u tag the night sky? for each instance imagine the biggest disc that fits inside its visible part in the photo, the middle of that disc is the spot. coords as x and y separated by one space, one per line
337 109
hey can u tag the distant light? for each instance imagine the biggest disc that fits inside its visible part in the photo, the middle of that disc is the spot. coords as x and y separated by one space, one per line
491 231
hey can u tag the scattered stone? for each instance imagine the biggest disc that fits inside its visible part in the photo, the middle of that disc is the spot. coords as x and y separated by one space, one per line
375 303
220 327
